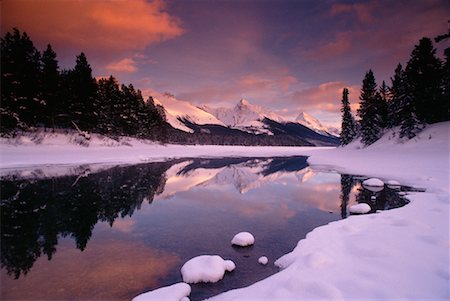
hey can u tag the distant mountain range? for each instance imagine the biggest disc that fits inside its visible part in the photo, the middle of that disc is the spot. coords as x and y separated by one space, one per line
243 119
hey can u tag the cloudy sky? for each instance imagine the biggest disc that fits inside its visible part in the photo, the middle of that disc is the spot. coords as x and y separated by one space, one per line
287 55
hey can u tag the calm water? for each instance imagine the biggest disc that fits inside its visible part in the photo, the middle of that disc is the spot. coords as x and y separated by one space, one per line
111 233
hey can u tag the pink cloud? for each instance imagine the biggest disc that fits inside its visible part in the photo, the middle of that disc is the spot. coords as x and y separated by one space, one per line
363 11
92 26
125 65
340 45
325 97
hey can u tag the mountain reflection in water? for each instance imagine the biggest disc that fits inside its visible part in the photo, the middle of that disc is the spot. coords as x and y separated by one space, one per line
198 205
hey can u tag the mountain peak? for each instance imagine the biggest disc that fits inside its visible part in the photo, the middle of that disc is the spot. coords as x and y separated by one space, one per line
244 102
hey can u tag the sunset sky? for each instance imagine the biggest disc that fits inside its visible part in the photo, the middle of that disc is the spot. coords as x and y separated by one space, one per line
289 56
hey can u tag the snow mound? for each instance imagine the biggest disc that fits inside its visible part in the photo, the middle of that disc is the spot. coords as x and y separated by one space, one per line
243 239
374 182
393 184
175 292
263 260
359 208
206 268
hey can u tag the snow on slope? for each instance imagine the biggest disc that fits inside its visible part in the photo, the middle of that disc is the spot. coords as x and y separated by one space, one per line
245 116
314 124
400 254
182 109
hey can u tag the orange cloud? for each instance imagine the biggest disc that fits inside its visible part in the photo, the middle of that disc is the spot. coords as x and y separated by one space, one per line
340 45
126 65
326 96
92 25
363 11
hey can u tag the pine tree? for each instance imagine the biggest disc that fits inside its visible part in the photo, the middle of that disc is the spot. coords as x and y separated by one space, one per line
20 71
424 76
370 120
50 85
397 90
348 130
409 124
83 89
382 107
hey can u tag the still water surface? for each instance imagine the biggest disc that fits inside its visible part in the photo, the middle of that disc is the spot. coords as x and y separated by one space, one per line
111 233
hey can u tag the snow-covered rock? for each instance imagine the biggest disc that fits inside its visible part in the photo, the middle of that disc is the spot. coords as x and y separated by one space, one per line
175 292
263 260
374 182
206 268
393 184
243 239
361 208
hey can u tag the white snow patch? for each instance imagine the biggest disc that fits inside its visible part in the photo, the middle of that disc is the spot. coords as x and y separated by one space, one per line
243 239
206 268
263 260
374 182
359 208
393 184
175 292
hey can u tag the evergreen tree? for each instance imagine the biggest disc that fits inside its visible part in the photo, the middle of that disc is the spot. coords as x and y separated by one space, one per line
409 122
446 73
20 71
370 120
424 76
83 89
107 107
397 90
348 130
50 85
382 107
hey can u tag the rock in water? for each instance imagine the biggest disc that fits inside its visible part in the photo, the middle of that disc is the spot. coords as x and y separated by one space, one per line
243 239
206 268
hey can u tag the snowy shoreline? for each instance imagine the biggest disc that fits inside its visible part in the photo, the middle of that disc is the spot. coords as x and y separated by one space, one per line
397 254
60 149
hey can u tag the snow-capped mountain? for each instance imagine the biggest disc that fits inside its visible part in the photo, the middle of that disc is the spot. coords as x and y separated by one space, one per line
178 109
314 124
242 120
245 116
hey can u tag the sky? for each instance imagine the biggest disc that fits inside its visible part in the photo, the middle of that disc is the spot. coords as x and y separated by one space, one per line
287 55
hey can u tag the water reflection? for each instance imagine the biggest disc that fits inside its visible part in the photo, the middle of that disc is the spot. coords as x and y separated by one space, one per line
197 205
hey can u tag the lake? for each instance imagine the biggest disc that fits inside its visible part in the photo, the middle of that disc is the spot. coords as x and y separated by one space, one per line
112 232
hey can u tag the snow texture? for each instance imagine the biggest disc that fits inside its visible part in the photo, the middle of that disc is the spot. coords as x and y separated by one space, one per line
374 182
243 239
59 149
393 184
263 260
359 208
175 292
206 268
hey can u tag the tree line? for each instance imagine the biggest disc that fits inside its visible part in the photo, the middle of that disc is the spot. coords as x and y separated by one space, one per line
36 93
418 95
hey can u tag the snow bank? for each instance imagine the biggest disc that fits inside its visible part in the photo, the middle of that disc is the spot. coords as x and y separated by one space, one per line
243 239
206 268
176 292
361 208
58 149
